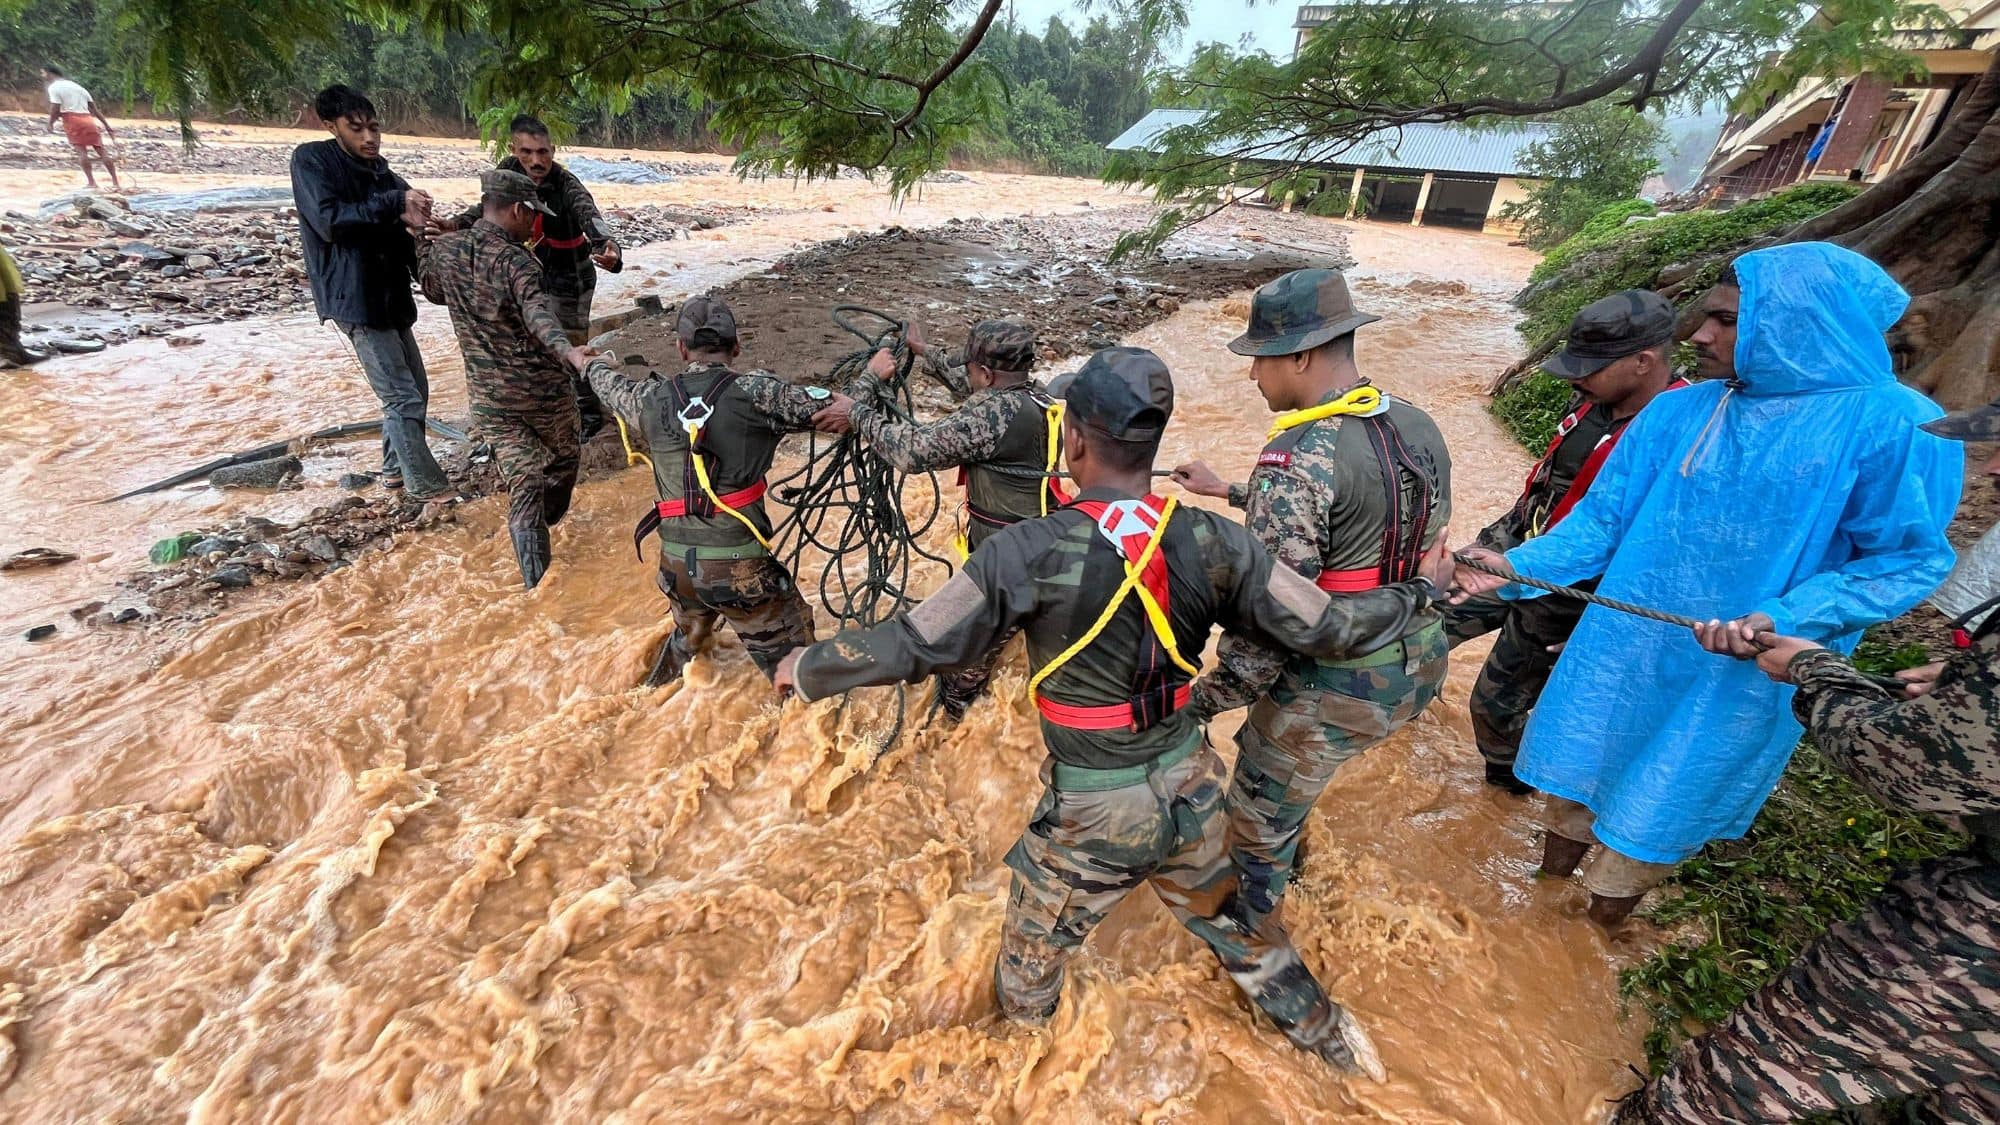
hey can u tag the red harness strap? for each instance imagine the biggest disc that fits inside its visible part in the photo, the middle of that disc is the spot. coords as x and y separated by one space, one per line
538 240
674 509
1350 581
1591 464
1153 698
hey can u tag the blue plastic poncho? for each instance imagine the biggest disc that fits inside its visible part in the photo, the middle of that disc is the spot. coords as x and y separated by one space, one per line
1803 490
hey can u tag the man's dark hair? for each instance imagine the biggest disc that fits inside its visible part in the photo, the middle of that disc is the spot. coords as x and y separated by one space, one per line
528 123
1122 454
1728 277
336 102
53 69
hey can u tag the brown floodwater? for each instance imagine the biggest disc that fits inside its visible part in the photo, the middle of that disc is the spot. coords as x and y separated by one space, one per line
401 844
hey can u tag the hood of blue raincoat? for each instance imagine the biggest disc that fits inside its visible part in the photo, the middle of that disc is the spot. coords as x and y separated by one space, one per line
1812 319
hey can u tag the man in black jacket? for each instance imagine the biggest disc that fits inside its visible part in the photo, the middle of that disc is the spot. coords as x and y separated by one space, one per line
357 221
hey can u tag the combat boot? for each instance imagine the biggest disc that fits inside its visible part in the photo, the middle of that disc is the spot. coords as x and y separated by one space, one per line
670 662
953 699
1350 1048
531 550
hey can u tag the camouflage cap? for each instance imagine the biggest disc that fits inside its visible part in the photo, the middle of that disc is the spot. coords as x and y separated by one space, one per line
1124 392
1607 330
706 323
502 186
1003 345
1981 423
1299 312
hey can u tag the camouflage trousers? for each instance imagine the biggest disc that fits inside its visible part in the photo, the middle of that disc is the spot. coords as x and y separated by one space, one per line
1312 721
537 452
1086 849
1518 667
755 595
573 310
1902 1001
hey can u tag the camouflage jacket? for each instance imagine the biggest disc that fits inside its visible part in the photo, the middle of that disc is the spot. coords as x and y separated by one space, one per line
569 270
740 439
1316 501
1938 753
506 324
1051 579
1005 426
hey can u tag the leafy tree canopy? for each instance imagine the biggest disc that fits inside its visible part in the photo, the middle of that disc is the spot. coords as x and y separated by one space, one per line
1598 155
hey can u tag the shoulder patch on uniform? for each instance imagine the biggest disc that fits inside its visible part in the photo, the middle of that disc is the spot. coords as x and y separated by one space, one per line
1272 457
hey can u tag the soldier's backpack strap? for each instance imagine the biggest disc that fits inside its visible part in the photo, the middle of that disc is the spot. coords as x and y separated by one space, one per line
1403 529
698 496
1136 529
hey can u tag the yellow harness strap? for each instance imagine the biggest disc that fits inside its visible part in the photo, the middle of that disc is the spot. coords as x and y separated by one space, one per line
1054 413
708 490
1162 628
1360 400
632 456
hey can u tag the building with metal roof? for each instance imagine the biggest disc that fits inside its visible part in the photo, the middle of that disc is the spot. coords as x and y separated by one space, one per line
1446 175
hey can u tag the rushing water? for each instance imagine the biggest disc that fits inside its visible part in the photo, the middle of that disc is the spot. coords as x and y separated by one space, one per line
401 844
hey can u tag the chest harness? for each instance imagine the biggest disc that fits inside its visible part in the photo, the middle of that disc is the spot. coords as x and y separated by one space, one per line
1052 416
1135 529
1403 529
1538 476
698 496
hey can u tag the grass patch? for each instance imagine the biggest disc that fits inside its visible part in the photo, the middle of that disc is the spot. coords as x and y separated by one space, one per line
1631 257
1818 852
1532 408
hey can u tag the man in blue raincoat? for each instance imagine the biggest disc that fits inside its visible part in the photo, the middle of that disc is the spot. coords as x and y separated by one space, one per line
1791 491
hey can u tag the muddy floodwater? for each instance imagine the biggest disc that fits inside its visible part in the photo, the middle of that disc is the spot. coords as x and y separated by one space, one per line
402 844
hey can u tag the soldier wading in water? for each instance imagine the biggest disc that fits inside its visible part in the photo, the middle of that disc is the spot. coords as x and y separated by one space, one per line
1116 594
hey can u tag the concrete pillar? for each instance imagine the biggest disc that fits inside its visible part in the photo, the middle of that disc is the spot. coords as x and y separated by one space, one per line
1423 198
1354 192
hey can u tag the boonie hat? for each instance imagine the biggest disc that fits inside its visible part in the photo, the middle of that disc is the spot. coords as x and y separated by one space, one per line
1608 330
1124 392
1003 345
1299 312
504 186
705 322
1981 423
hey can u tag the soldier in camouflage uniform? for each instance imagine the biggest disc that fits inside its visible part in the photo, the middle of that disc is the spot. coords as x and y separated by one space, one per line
713 433
1131 792
1351 493
570 239
1903 1001
1007 423
1618 356
518 360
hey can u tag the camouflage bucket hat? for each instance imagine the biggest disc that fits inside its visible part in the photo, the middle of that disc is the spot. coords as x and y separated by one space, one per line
1981 423
1003 345
1299 312
511 187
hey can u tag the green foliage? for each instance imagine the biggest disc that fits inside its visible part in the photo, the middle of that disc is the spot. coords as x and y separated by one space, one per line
1598 155
1381 65
798 85
1819 851
1532 408
1633 257
1609 223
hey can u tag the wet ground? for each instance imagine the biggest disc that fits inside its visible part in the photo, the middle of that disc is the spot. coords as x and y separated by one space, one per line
403 844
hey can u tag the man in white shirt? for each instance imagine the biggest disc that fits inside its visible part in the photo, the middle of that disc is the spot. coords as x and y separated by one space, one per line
80 117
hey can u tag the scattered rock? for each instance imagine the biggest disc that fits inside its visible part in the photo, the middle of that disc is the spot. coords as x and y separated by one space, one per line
35 557
256 474
41 632
199 262
1107 299
321 548
354 482
183 341
232 577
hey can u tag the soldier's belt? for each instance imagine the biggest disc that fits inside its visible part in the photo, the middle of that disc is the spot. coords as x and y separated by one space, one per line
706 552
1350 581
1083 779
1395 652
675 509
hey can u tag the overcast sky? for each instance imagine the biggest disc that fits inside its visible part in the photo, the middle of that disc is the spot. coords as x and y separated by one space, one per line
1267 25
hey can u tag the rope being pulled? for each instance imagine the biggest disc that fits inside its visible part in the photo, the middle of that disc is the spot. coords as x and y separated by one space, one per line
1889 683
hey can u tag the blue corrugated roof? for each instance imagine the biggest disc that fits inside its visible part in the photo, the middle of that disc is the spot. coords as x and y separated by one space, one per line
1415 148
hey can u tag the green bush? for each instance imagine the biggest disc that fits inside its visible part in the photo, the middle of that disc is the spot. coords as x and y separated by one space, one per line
1632 257
1531 409
1602 227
